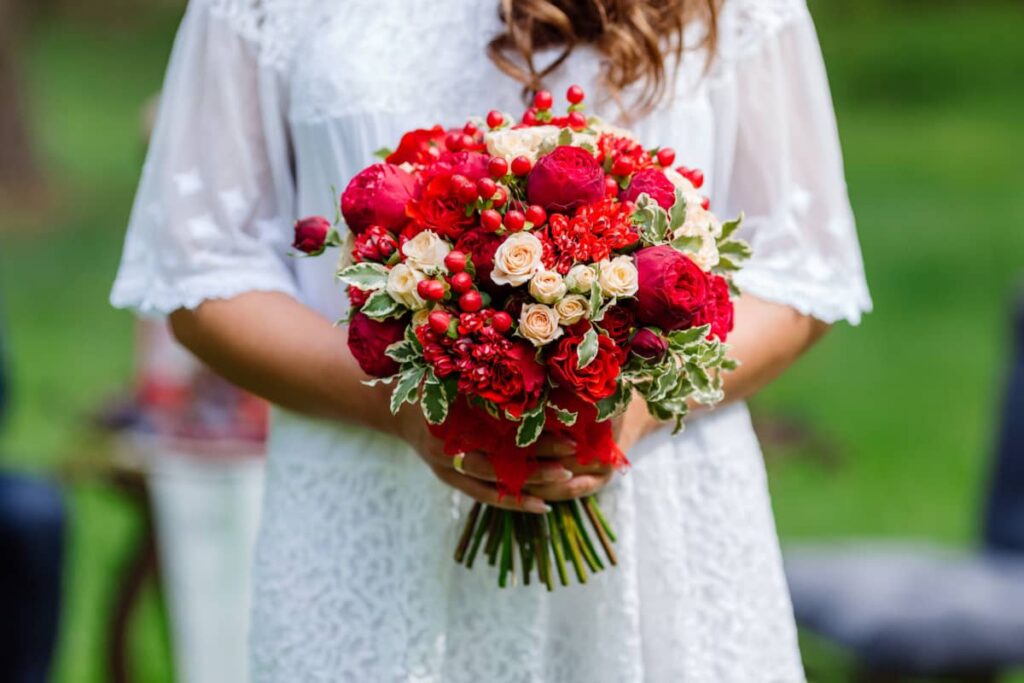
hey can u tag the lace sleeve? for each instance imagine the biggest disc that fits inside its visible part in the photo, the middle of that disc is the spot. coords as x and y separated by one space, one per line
786 172
212 214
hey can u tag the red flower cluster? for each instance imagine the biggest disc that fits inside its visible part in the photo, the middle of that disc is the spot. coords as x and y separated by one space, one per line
437 205
592 234
621 156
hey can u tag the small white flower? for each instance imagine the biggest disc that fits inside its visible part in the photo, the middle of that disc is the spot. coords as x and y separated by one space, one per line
547 286
706 256
618 277
426 251
402 281
514 142
539 324
580 278
517 259
572 309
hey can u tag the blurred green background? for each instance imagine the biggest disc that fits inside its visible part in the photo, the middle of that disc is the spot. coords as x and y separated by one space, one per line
885 429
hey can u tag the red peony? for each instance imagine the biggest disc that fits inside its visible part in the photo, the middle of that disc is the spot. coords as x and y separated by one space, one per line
565 179
473 165
377 195
368 338
718 312
509 375
375 244
598 379
591 235
419 147
672 288
618 323
652 182
311 234
649 345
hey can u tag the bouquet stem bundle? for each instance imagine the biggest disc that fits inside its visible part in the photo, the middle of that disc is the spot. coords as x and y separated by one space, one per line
546 544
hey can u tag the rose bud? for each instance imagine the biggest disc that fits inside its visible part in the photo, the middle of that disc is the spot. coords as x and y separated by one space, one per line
649 345
369 338
375 244
652 182
311 234
565 179
377 195
672 289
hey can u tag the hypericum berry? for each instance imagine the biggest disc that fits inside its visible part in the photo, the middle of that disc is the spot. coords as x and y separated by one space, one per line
694 175
530 117
623 166
490 220
470 129
486 187
453 141
577 121
705 203
536 214
515 220
495 118
471 301
455 261
611 186
497 167
500 197
461 282
574 94
431 290
501 322
543 100
439 321
467 141
666 155
521 165
466 193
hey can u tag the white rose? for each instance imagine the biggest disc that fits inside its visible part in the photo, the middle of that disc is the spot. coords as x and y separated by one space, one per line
426 251
511 143
579 279
539 324
547 286
572 309
618 277
706 255
402 281
517 259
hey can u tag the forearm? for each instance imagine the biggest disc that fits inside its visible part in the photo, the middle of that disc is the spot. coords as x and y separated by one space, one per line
277 348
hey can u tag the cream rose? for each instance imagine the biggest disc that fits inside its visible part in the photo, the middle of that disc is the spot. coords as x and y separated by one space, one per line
572 309
402 281
618 277
517 259
706 253
539 324
547 286
580 278
511 143
426 251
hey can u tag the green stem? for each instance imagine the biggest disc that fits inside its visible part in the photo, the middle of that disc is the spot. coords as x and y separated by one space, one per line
524 540
602 535
478 537
506 548
569 538
494 537
541 550
467 532
592 500
589 551
554 533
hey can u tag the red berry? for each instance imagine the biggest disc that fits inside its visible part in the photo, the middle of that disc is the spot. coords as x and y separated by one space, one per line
495 118
461 282
471 301
467 141
705 204
515 220
623 166
497 167
666 155
486 187
466 193
470 129
574 94
490 220
431 290
611 186
530 117
455 261
536 214
439 321
501 322
543 100
577 121
500 197
521 165
453 141
697 177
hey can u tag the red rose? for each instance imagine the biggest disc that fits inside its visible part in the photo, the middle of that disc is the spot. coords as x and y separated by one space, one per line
311 234
565 179
368 338
377 195
594 382
672 288
649 345
419 147
618 323
650 181
375 244
718 312
511 378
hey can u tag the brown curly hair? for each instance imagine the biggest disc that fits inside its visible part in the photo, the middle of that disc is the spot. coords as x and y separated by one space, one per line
635 37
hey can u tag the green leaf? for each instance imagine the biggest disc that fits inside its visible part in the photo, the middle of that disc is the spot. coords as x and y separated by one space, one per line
729 227
434 401
739 248
383 153
565 137
380 305
364 276
677 215
566 417
688 243
683 337
587 350
405 390
616 403
595 298
532 425
403 352
726 265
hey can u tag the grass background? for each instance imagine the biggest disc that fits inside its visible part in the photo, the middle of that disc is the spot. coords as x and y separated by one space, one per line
895 418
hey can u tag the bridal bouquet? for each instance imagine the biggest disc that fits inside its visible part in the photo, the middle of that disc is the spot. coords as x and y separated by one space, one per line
520 278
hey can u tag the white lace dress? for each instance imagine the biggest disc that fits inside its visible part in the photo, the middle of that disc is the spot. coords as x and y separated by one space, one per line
268 104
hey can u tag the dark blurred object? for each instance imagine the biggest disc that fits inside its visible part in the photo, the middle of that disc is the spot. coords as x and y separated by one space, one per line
917 610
